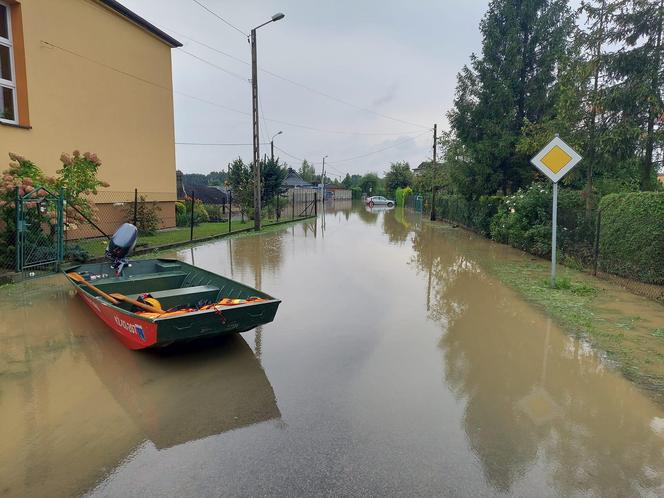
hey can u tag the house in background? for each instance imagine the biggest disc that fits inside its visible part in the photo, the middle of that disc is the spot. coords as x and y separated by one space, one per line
94 76
294 180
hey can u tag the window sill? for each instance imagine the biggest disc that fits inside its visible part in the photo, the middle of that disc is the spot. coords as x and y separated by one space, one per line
14 125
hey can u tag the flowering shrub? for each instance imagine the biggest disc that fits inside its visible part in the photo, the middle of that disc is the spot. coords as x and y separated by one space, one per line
524 221
78 175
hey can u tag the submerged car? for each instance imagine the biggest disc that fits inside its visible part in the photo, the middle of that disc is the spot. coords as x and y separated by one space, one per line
379 200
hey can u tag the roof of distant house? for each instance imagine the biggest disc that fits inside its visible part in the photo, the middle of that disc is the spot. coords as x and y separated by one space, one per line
205 193
138 20
294 180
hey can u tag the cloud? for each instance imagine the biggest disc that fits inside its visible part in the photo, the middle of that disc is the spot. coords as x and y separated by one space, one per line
394 58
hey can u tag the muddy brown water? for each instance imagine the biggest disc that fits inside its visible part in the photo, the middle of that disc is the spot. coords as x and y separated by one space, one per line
396 366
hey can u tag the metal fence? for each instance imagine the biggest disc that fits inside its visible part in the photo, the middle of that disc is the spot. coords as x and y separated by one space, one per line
43 229
580 237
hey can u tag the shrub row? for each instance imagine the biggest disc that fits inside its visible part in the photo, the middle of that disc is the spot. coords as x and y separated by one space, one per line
632 236
523 220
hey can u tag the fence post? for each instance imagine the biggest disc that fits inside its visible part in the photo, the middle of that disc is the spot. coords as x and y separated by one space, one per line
193 200
278 213
61 227
292 204
316 203
230 209
597 227
433 204
135 206
19 227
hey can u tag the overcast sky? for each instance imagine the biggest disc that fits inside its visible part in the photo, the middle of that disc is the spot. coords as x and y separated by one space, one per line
397 59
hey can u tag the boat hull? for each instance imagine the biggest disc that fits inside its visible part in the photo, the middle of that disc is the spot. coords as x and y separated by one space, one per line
140 331
132 331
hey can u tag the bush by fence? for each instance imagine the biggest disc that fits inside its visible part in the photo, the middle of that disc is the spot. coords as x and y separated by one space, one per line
523 220
402 194
632 236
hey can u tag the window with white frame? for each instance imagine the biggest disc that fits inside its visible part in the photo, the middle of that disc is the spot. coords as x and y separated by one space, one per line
8 104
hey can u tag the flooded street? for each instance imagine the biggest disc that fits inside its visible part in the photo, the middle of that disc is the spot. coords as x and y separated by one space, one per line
396 365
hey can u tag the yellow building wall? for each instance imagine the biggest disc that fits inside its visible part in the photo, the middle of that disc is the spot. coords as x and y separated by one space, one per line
81 96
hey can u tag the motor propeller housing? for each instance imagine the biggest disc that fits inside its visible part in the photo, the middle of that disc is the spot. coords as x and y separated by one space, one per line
121 245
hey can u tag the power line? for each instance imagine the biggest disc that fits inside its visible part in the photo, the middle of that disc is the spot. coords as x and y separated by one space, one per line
290 155
231 73
169 89
301 85
215 144
396 144
225 21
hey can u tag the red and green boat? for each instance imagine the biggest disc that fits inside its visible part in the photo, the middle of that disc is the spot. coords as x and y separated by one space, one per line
192 302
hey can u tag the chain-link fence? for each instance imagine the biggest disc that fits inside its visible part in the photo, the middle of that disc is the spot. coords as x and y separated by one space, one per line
40 229
163 220
619 238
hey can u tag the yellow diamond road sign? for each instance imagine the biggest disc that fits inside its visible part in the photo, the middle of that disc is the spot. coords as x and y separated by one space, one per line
556 159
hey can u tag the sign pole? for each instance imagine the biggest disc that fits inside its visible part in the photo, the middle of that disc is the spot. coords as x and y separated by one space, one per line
554 230
555 160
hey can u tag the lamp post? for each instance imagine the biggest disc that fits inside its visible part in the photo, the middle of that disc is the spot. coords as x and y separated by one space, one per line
272 144
254 114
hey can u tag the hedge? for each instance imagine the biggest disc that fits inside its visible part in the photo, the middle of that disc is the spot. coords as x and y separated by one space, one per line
476 215
632 236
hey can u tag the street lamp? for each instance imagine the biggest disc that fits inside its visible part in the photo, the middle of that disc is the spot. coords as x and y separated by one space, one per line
272 144
254 114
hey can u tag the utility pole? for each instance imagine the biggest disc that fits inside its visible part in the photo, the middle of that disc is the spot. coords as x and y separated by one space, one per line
322 179
254 114
435 142
433 165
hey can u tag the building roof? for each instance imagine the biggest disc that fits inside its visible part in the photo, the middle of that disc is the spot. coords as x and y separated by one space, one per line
294 180
138 20
206 193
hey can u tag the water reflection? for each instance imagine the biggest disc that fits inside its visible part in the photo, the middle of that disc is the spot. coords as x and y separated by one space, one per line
537 400
369 215
397 225
187 393
70 392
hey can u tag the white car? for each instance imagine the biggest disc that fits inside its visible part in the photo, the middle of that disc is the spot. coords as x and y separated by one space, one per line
379 200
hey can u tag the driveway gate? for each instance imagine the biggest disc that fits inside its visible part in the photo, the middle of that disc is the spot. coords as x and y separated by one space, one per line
39 230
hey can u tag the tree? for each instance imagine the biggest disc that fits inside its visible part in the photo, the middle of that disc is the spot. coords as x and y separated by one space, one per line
347 182
398 176
241 182
272 179
307 172
514 81
637 69
430 176
217 178
371 184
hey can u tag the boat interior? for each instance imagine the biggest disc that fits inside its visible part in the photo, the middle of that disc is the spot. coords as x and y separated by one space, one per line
172 283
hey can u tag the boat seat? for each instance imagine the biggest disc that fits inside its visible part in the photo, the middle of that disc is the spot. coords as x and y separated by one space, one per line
148 282
185 295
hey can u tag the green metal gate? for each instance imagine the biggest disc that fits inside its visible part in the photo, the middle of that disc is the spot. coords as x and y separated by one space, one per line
39 231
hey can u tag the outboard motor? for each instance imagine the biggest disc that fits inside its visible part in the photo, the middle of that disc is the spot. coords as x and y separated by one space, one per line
120 246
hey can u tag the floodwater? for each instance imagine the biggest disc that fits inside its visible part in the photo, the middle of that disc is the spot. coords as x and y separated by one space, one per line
396 366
